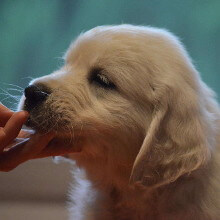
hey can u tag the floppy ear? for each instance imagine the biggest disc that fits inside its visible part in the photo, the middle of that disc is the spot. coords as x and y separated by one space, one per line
176 140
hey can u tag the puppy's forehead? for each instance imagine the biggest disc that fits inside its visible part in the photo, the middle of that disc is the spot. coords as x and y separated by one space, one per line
92 45
113 42
122 43
133 52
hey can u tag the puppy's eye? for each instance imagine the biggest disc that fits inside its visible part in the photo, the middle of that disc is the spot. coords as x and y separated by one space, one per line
100 79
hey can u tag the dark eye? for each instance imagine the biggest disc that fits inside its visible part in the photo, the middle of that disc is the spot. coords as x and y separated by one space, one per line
99 78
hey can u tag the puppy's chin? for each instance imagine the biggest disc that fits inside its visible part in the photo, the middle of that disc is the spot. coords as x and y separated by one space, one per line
61 139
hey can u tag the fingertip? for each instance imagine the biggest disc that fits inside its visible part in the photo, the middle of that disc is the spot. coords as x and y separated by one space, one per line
15 122
23 114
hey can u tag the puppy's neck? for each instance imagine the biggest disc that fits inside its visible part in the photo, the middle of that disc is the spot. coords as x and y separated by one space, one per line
106 165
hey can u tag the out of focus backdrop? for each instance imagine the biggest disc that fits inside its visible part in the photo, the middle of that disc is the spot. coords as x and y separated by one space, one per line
33 38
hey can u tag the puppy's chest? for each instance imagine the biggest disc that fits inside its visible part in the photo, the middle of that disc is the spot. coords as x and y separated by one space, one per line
133 204
110 204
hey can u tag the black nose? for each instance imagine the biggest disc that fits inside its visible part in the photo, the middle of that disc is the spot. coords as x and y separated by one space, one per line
35 95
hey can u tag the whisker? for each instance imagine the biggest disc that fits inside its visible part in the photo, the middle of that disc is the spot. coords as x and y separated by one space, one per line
10 84
27 77
13 106
59 58
36 121
70 128
78 136
5 92
6 98
54 126
15 90
15 98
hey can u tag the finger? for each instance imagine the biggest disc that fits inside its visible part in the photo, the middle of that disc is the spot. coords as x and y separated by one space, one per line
12 157
14 143
12 128
55 149
15 123
25 133
37 143
5 114
23 151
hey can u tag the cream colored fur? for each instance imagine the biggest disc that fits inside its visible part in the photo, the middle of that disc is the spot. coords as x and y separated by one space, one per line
148 149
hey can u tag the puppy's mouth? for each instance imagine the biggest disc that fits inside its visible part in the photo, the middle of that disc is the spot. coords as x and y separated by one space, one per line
44 119
47 115
65 140
62 144
57 127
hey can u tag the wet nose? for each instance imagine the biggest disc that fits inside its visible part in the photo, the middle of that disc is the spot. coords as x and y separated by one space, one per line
35 95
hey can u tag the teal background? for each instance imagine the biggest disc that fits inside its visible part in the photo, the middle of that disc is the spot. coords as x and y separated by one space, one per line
34 34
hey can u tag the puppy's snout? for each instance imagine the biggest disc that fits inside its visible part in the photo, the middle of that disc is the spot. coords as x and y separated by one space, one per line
35 95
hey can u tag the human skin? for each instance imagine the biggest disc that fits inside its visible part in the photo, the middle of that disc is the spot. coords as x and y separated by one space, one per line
18 145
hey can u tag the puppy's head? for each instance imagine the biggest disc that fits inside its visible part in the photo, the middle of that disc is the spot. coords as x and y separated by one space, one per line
130 92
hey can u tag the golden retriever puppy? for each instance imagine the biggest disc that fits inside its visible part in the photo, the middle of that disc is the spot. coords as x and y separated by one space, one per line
142 126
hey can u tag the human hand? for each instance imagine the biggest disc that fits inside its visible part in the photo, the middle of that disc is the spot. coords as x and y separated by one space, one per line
16 145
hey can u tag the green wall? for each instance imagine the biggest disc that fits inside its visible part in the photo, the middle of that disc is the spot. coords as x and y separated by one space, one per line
34 34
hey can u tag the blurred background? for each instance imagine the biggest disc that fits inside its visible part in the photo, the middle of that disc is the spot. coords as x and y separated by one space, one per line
34 36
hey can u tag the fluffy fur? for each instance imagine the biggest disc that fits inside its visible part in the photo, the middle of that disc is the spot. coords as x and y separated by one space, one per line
148 148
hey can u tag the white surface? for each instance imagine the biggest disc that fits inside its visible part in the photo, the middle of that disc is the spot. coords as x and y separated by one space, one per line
40 179
36 190
32 211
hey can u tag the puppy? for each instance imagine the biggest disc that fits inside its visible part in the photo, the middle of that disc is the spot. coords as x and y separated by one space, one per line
143 127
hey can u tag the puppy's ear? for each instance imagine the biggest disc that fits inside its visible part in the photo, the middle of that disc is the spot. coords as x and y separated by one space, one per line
176 142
